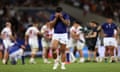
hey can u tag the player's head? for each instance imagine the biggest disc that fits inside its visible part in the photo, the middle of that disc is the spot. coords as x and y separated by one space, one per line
93 24
8 24
35 23
59 9
109 20
76 23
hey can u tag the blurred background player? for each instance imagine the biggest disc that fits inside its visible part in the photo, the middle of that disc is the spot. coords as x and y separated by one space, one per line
108 29
31 38
77 39
1 49
15 51
92 39
7 37
59 21
98 43
47 33
116 46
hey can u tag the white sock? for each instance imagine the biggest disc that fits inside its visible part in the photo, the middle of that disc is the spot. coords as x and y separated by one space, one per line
32 59
62 64
45 60
72 56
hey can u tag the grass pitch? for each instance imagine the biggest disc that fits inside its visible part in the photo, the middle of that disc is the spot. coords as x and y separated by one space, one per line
74 67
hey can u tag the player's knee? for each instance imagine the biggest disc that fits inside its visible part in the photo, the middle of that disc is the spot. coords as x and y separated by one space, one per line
62 50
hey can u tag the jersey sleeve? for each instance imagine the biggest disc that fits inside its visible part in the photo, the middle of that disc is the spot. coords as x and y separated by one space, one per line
27 32
52 17
43 29
71 29
36 30
2 31
67 17
115 26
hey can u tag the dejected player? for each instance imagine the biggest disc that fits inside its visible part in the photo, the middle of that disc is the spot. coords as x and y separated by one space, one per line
59 21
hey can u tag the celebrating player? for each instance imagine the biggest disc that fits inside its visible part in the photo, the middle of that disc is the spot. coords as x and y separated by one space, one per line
59 21
46 32
7 37
77 39
31 38
109 40
91 40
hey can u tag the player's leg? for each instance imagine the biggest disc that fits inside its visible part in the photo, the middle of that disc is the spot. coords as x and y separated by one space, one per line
80 47
34 49
112 54
89 54
112 48
93 50
1 54
67 55
55 44
21 54
94 54
63 55
1 51
106 42
116 54
33 54
5 56
46 52
45 46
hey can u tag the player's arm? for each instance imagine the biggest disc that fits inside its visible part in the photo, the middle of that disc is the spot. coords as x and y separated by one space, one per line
26 36
53 19
92 36
116 32
26 39
65 21
73 34
12 38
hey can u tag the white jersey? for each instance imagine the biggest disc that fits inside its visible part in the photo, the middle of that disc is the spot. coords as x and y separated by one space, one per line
77 31
6 33
32 32
46 31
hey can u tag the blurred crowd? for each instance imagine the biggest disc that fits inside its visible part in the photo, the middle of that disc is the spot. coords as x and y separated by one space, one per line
13 10
107 8
28 3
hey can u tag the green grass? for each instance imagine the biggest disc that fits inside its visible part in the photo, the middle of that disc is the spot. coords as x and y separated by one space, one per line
75 67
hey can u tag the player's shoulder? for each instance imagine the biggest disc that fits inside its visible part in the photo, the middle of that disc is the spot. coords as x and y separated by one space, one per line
6 29
44 26
80 27
72 27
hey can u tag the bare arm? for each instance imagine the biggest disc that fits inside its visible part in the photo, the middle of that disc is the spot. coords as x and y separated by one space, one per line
26 39
65 21
93 35
53 22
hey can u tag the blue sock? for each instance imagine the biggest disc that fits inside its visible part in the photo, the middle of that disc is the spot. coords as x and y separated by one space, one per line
23 60
68 56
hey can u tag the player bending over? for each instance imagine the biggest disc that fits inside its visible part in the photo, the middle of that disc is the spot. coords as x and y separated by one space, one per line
46 40
15 51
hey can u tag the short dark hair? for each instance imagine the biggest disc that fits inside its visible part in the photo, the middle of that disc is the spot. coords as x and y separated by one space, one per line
59 9
94 22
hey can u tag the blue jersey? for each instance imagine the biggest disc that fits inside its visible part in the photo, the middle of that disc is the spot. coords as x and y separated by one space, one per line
60 27
14 48
108 29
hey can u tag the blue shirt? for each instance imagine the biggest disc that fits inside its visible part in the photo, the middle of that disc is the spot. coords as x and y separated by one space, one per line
108 29
14 48
60 27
